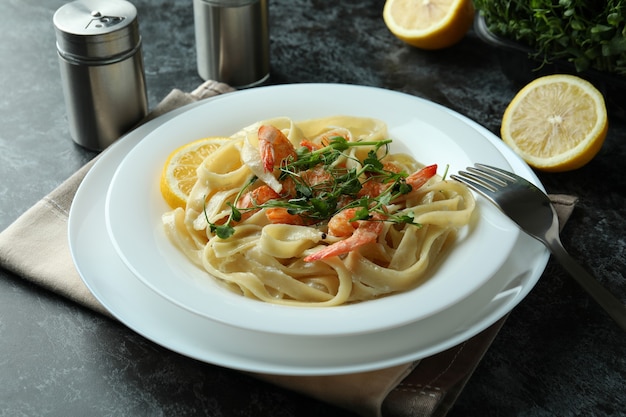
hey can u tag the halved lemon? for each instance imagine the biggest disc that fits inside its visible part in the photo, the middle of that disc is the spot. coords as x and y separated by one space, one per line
179 171
556 123
429 24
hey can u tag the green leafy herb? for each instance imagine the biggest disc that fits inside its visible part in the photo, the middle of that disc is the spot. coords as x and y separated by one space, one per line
320 201
445 173
589 34
223 231
226 230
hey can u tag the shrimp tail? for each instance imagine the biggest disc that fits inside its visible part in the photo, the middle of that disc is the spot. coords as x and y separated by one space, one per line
419 178
364 234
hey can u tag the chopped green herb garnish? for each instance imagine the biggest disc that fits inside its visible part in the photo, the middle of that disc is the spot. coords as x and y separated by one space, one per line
319 199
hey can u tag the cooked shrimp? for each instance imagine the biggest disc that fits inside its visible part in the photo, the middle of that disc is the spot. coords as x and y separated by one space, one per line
391 167
280 215
312 146
262 195
312 178
357 233
340 225
373 188
258 196
419 178
325 138
274 147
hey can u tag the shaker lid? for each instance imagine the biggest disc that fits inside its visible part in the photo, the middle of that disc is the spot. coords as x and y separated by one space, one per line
96 29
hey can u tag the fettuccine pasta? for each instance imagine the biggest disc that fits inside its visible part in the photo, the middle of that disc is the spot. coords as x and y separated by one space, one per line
317 213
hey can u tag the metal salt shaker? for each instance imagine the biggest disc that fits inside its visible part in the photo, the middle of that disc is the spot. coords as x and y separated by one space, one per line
232 41
99 49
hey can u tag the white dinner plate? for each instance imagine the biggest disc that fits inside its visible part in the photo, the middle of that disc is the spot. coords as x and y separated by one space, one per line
176 328
429 132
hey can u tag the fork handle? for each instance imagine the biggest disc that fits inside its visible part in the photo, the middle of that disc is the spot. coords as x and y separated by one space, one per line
598 292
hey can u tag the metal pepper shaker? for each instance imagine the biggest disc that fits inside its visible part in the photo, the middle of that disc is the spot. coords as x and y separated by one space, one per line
99 49
232 41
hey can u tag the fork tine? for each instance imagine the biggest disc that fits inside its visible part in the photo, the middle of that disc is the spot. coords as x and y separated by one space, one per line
475 182
486 177
495 172
489 178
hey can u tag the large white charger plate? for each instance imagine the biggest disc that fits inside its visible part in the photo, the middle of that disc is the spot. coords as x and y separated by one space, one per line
431 133
173 327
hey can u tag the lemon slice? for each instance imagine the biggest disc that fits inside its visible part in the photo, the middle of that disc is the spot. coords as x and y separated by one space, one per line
429 24
556 123
179 171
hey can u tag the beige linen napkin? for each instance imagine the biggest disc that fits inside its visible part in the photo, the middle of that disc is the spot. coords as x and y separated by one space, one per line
425 388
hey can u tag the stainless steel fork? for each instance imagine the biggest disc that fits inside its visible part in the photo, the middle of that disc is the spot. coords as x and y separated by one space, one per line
533 212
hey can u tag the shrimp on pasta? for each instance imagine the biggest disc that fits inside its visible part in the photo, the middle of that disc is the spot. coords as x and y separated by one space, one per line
318 212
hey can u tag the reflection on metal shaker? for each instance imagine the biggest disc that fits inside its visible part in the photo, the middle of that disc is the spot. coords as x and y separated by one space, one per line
99 49
232 41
